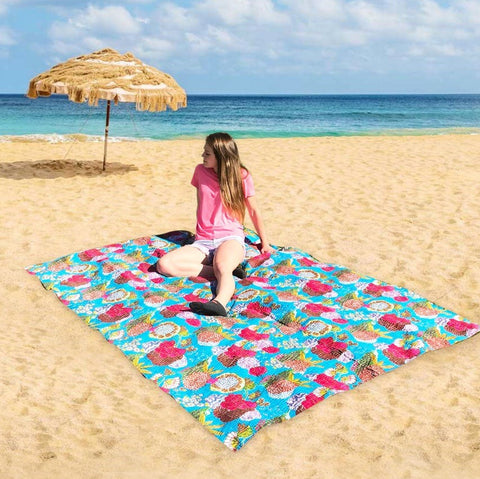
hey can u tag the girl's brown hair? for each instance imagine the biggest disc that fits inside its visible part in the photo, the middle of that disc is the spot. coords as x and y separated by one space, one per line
229 171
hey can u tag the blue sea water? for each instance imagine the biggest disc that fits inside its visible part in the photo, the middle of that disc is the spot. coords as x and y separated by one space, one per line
253 116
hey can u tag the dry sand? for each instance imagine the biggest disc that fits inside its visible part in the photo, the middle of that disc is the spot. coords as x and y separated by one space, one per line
402 209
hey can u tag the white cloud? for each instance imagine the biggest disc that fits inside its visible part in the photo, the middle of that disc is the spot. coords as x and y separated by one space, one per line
198 44
6 37
60 31
153 49
108 20
262 12
386 28
260 27
6 4
311 36
445 50
95 28
170 16
93 43
376 18
431 13
325 10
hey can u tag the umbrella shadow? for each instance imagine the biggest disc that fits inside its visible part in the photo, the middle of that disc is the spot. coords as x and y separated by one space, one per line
50 169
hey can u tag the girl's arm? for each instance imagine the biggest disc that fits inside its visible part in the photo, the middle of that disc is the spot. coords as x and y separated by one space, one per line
257 220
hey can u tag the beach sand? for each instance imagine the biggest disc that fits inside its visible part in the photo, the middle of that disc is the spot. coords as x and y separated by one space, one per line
405 210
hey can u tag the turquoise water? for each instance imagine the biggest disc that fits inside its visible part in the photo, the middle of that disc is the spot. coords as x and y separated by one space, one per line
248 116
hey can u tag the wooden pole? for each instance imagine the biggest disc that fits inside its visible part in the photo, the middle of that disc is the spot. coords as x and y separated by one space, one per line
106 135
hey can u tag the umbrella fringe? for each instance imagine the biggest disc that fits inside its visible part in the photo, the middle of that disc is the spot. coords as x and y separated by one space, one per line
146 101
108 75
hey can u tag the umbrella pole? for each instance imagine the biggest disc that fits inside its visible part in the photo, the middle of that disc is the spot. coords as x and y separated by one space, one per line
106 135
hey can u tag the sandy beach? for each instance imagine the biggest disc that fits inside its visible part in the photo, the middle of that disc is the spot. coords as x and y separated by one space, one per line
405 210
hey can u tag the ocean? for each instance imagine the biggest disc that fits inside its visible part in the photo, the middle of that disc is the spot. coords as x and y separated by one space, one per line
56 118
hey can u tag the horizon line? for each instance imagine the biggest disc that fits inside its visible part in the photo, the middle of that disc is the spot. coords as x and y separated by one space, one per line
294 94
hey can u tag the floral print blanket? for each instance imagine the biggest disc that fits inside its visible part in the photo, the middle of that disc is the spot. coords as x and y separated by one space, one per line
297 332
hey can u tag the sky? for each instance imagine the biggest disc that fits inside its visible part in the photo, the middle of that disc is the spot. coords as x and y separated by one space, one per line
256 46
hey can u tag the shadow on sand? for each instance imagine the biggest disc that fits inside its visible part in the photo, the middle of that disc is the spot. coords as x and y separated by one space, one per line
50 169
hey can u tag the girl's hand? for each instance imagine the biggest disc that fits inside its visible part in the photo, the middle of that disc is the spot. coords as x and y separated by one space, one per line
266 249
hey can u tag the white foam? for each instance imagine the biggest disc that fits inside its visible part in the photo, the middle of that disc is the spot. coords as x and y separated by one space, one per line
57 138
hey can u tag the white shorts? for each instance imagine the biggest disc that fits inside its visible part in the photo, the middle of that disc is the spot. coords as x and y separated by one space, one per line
210 246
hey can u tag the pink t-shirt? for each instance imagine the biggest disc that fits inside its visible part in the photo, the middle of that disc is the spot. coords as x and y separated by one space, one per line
213 220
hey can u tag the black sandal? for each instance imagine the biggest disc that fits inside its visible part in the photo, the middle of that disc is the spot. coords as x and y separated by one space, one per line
212 308
239 272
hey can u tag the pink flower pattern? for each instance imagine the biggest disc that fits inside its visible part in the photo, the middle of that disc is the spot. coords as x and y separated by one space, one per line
287 344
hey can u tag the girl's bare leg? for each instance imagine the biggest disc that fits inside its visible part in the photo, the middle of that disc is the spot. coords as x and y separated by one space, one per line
227 257
184 262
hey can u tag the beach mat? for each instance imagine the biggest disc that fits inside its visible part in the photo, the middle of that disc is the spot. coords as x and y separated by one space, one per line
297 332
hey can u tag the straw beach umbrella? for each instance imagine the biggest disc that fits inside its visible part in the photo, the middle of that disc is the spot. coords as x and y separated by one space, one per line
109 75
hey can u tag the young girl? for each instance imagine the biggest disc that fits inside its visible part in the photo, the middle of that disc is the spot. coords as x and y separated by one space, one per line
224 190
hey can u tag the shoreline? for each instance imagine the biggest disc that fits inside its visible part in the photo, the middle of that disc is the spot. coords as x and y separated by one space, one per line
81 137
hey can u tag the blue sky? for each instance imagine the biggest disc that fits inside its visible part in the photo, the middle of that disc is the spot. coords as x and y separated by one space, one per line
257 46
